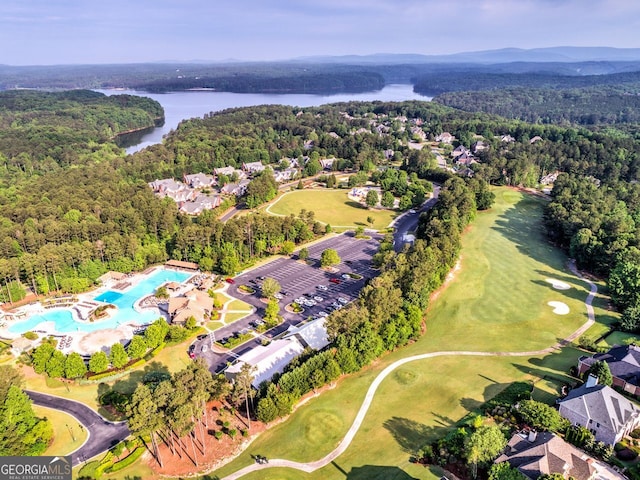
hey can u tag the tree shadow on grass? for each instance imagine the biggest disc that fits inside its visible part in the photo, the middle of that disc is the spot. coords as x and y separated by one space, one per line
412 435
378 472
522 225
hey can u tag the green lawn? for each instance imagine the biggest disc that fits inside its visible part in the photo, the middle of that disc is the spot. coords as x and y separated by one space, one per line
332 207
496 301
68 435
171 359
617 338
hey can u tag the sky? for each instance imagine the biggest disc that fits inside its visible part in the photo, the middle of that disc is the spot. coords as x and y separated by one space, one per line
50 32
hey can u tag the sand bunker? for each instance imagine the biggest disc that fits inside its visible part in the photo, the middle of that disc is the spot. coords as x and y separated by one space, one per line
559 308
557 284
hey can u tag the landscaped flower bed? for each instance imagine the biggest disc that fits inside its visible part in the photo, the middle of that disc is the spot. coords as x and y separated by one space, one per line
294 307
246 289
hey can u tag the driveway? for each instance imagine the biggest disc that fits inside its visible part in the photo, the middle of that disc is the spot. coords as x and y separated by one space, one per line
102 433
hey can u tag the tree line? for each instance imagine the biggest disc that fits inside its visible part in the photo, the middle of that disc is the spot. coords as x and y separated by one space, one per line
389 310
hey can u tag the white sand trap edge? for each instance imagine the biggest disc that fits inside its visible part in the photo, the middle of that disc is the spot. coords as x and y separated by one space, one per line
557 284
559 308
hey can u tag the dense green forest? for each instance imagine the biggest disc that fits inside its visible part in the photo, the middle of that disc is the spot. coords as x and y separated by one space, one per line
306 82
45 132
589 106
437 83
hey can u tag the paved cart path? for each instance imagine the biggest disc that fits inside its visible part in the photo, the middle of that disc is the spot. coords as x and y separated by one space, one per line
364 408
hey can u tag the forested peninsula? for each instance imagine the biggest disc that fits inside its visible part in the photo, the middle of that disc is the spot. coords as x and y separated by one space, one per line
51 131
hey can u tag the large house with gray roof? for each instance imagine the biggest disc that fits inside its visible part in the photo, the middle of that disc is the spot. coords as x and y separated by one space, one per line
624 363
535 454
602 410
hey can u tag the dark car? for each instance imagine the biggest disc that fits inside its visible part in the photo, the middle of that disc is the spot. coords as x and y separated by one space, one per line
334 280
230 280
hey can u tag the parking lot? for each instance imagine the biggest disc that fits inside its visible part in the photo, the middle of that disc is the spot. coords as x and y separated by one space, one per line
298 280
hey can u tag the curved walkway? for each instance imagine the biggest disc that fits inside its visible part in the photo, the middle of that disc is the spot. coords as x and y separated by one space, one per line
103 434
364 408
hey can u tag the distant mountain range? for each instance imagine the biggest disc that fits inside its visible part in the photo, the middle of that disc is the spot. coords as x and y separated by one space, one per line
504 55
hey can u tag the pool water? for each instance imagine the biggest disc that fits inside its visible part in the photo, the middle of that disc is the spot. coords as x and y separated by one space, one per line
65 322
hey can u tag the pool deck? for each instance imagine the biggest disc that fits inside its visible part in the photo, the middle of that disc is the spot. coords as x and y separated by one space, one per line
79 341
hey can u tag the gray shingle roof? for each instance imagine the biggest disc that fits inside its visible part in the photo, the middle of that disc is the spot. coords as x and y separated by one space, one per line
602 405
623 361
546 454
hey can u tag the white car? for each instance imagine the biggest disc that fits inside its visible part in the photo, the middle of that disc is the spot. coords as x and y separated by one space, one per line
318 298
323 314
343 300
345 276
322 287
310 303
412 211
278 296
300 300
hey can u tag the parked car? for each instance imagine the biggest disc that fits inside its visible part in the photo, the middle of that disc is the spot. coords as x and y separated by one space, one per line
230 280
412 211
279 296
346 276
322 287
343 300
261 278
323 314
318 298
334 280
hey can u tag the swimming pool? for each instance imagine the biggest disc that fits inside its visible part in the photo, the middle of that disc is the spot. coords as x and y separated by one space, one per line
65 321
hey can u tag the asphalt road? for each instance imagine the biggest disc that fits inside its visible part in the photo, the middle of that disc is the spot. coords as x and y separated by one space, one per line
296 279
409 221
102 433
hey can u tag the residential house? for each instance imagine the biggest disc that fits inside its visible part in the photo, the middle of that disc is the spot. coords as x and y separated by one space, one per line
291 162
227 171
167 186
199 180
466 159
602 410
535 139
507 139
308 144
238 189
535 454
195 303
177 191
266 360
459 150
285 175
253 167
200 203
389 153
549 179
445 137
624 363
333 134
418 132
479 146
327 163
